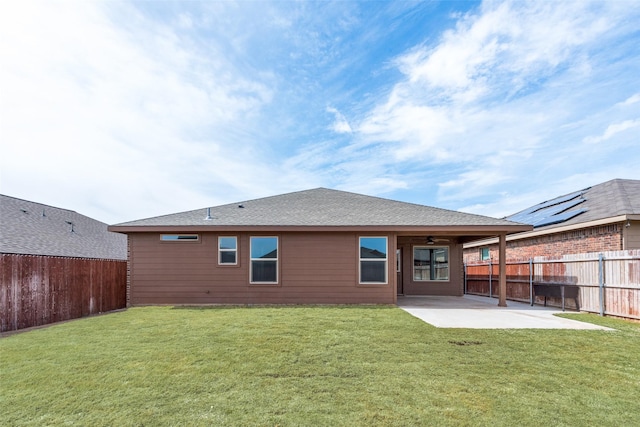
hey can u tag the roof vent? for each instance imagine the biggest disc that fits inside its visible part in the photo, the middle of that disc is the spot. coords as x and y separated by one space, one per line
71 224
208 218
241 206
24 211
43 214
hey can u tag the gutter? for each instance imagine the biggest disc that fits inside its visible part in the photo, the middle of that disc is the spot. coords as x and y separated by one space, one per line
460 230
554 230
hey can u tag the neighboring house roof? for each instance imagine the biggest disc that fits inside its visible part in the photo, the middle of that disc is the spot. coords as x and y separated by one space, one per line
319 207
610 199
609 202
36 229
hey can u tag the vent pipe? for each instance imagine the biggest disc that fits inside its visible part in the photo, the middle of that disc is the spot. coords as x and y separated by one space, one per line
208 218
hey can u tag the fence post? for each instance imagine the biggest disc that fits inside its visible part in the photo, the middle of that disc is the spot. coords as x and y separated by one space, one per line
601 281
490 279
531 281
465 277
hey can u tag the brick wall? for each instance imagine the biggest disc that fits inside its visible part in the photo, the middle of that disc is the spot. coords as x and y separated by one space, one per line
593 239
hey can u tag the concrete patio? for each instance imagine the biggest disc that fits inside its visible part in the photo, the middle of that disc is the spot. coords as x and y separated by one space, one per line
478 312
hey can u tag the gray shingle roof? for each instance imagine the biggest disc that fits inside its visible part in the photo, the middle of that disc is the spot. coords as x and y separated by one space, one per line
37 229
609 199
321 207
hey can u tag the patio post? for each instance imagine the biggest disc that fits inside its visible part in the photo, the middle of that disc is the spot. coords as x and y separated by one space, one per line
502 281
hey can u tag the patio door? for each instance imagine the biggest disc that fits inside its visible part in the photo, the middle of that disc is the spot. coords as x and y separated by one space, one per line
399 271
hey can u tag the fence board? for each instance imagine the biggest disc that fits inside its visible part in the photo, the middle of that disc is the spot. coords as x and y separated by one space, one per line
38 290
621 280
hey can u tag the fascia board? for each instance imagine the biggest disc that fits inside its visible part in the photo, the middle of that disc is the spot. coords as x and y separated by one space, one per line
554 230
458 230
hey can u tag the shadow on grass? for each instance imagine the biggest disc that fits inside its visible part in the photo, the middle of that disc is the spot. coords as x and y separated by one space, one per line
284 306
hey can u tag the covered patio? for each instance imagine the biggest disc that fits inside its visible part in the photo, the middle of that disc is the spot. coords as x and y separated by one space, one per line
429 259
476 312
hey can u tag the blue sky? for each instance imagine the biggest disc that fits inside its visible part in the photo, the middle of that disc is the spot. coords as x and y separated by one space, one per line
126 110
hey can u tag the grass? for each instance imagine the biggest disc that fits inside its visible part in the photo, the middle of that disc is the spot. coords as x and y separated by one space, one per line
325 366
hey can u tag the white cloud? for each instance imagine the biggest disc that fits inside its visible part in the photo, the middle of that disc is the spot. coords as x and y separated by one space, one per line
631 100
506 44
162 107
117 111
499 93
376 185
612 130
340 125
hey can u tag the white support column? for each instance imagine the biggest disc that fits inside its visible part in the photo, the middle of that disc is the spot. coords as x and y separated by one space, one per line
502 284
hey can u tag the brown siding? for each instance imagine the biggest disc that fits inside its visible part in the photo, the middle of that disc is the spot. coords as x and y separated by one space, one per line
38 290
454 286
313 268
632 235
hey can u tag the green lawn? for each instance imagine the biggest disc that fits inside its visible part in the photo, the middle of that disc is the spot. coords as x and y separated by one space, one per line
307 366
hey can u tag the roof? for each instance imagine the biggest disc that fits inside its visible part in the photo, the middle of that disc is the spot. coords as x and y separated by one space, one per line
36 229
319 207
607 200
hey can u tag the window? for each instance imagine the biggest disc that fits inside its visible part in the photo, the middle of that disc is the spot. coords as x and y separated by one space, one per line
227 250
430 263
179 237
373 260
264 260
484 254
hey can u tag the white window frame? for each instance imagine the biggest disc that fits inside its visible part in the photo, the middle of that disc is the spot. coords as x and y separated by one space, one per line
482 258
413 261
181 238
276 259
220 250
385 259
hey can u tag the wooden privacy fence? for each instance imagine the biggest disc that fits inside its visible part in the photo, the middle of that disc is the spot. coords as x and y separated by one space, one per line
608 282
38 290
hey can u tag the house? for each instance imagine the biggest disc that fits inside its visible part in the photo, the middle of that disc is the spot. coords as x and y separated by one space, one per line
316 246
605 217
56 264
31 228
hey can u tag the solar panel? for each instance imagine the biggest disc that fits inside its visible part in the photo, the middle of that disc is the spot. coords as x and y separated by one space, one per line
552 211
556 219
560 200
525 214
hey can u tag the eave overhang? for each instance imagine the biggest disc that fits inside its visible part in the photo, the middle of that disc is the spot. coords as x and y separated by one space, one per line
435 230
554 230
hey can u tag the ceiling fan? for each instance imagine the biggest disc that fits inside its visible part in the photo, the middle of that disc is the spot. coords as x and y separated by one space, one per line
431 240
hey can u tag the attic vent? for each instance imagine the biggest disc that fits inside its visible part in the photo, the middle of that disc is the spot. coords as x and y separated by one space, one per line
71 224
24 211
241 206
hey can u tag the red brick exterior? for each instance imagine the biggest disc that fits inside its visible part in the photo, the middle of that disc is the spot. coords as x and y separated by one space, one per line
592 239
